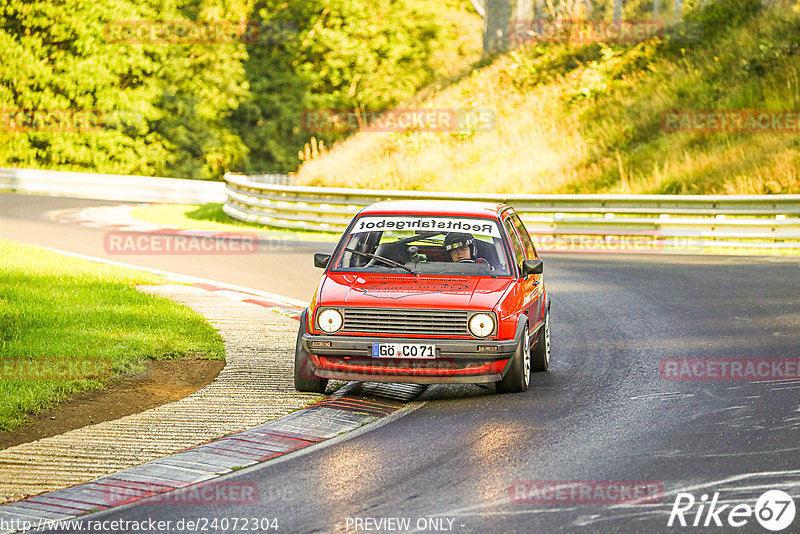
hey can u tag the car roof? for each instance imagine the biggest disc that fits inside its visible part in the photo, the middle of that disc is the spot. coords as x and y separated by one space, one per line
435 207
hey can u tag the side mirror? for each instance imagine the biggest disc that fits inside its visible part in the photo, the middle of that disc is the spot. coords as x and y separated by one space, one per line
321 259
532 267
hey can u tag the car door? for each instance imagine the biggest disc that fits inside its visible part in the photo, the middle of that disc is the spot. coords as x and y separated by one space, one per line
534 284
527 286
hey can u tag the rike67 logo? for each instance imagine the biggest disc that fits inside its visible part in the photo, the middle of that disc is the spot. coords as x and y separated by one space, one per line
774 510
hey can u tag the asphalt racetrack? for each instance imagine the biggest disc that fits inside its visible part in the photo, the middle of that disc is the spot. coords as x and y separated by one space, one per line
615 414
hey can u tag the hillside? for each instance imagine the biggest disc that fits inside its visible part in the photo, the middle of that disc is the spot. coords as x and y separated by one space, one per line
591 118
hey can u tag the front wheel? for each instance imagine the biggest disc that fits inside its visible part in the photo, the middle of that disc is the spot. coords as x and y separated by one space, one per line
304 378
541 351
518 377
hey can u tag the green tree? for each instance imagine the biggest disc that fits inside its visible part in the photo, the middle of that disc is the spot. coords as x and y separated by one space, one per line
329 54
157 107
157 104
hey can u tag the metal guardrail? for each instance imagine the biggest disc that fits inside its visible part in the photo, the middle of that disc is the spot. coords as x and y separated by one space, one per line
274 179
111 186
684 223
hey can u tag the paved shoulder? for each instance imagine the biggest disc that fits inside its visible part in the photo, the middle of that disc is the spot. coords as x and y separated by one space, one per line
254 387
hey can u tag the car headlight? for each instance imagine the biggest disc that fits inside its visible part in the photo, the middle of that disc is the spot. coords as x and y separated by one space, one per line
481 324
330 320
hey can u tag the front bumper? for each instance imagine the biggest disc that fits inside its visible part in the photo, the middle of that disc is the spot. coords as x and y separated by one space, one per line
456 361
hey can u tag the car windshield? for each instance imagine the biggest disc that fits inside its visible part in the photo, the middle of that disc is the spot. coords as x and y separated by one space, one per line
424 245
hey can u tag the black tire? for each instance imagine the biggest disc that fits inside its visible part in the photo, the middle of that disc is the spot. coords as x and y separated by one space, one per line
304 377
519 375
540 359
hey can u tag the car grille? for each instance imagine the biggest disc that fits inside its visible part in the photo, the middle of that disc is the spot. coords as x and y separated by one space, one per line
392 321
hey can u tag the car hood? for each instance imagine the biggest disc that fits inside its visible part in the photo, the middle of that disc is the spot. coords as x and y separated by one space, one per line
467 292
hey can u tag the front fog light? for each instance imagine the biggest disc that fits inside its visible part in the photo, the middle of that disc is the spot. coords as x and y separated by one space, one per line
330 321
481 325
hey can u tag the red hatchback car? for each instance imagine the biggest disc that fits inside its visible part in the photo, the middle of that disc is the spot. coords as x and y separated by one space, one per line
427 292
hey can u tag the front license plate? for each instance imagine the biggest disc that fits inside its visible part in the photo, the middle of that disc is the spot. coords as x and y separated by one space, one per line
403 350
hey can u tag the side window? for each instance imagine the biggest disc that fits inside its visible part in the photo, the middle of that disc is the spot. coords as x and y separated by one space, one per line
519 256
530 250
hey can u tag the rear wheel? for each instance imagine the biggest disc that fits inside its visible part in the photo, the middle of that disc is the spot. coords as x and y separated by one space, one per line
519 375
541 351
304 377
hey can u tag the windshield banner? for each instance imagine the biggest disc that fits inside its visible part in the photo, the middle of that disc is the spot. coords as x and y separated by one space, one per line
430 224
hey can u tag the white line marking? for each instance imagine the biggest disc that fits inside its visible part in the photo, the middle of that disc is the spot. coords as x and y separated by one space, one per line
670 395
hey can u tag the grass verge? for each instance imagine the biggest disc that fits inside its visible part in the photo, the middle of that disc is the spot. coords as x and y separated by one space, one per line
60 308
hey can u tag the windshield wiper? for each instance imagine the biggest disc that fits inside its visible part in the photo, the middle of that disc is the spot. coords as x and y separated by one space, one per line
381 258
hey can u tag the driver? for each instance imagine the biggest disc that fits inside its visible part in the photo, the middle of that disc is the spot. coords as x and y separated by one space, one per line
461 247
